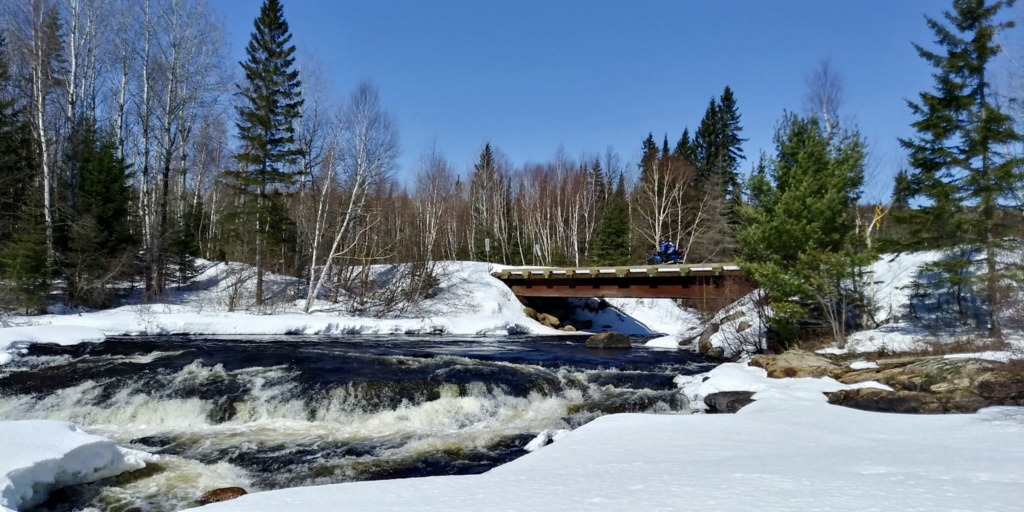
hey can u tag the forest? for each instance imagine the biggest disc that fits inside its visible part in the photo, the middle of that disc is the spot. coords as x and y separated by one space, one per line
131 145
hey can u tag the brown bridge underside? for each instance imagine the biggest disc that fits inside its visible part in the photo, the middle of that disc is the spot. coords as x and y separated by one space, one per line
699 282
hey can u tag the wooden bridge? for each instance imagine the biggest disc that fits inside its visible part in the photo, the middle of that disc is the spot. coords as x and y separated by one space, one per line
702 282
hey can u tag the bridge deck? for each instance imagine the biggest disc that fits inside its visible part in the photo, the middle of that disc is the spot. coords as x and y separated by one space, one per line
703 281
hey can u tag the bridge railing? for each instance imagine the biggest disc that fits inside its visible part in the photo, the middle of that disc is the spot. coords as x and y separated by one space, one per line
636 271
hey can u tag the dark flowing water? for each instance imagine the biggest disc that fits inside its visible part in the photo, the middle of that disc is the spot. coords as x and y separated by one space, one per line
272 412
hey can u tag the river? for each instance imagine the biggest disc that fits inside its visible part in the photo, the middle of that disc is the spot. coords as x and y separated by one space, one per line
283 411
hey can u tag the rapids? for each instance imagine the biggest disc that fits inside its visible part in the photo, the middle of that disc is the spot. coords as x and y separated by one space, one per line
272 412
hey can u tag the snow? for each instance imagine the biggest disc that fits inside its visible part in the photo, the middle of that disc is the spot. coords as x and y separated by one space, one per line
663 342
39 456
12 339
789 450
473 303
863 365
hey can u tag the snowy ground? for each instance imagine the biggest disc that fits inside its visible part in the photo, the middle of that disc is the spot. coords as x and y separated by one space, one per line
37 457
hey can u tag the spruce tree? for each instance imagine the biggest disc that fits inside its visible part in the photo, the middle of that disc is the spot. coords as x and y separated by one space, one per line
796 240
484 191
718 147
100 242
611 236
271 105
962 180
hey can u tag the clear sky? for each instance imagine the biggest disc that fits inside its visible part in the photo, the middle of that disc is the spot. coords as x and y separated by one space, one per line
530 76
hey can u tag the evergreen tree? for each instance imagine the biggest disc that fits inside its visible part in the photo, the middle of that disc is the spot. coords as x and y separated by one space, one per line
796 240
961 176
17 154
685 148
611 236
717 147
485 188
100 240
271 104
23 262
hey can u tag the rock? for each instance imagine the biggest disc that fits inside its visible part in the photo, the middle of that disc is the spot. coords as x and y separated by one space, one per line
222 494
716 353
569 328
914 402
731 316
797 363
704 344
549 320
530 312
932 374
609 340
1001 387
727 402
744 325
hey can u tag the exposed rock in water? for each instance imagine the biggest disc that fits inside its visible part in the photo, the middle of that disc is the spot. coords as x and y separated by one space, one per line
798 363
609 340
727 402
222 494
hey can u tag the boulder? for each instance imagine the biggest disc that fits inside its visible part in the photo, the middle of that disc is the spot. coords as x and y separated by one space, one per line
727 402
744 325
609 340
548 320
530 312
222 494
704 343
797 363
569 328
913 402
716 353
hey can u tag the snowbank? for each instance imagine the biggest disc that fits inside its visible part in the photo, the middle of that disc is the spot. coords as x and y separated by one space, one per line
37 457
10 337
789 450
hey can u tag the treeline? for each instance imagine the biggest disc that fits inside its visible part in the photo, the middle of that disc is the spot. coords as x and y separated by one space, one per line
131 146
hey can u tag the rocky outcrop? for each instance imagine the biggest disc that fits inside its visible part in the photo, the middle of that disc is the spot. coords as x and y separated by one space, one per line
727 402
798 363
609 340
912 402
952 385
222 494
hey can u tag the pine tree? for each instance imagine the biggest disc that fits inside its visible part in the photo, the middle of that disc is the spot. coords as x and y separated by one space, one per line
484 190
271 105
796 240
718 147
962 179
685 148
23 261
611 236
100 241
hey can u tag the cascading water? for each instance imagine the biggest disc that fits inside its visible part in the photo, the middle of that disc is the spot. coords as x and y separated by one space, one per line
272 412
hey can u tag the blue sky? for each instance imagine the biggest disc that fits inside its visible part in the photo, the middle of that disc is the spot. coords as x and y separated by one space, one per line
532 76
